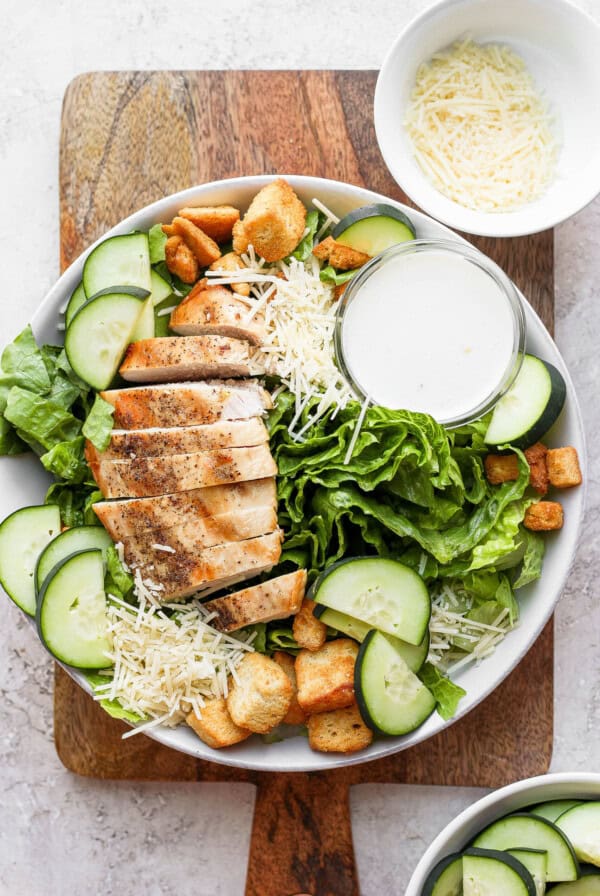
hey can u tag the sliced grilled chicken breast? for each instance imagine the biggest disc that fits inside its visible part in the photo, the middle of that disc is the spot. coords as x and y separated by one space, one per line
216 310
170 359
131 517
186 404
148 476
217 567
194 534
276 599
157 442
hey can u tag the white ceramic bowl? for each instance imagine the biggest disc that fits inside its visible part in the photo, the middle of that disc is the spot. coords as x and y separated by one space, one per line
560 45
459 833
23 481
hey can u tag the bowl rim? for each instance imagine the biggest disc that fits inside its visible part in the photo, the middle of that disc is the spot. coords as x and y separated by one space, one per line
471 221
60 291
432 854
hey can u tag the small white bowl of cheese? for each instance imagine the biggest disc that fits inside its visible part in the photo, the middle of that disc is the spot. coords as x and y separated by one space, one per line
546 117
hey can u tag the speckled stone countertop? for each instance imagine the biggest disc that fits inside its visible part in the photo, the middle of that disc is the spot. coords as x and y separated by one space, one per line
61 834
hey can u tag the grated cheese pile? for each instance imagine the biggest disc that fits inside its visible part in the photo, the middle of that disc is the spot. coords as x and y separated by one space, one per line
481 132
166 665
449 622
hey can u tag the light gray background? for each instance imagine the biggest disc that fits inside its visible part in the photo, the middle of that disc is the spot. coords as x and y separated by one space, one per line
60 834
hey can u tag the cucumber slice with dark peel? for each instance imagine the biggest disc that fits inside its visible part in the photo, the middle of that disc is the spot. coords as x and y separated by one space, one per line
374 228
554 808
160 289
586 886
23 536
489 872
80 538
98 335
446 878
536 862
581 824
530 407
532 832
122 260
71 613
78 298
414 656
391 699
383 593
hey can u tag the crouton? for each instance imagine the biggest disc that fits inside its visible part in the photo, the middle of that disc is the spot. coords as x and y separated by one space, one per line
216 727
217 222
326 678
240 238
346 259
232 262
538 471
205 249
340 731
261 697
322 250
544 516
309 631
180 260
169 230
339 290
563 467
295 714
274 223
501 468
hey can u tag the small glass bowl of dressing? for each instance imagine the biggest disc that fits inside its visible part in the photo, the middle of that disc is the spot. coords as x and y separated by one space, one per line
432 326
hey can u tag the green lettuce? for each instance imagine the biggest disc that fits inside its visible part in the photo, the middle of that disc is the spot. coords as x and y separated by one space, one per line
156 243
305 246
112 707
336 278
99 423
117 581
446 694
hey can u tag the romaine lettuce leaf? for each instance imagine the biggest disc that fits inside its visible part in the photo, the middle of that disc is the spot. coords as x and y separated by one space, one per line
156 243
112 707
336 278
67 462
117 581
447 694
99 423
305 246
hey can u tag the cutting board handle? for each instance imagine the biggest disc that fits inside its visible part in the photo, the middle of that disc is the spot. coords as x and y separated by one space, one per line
302 837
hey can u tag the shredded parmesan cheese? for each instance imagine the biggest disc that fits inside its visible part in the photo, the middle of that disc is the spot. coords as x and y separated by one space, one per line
481 132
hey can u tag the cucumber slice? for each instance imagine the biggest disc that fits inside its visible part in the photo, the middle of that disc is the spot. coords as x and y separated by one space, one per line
78 298
581 824
144 328
122 260
80 538
445 879
98 335
23 536
414 657
587 886
533 832
385 594
551 810
536 862
532 404
488 872
160 289
374 228
71 613
391 699
136 291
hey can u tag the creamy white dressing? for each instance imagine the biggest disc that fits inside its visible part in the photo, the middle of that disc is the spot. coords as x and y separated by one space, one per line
429 331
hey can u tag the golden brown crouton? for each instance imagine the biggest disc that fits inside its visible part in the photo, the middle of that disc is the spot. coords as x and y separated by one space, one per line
340 731
261 697
544 516
308 631
217 222
346 259
169 230
295 714
326 678
240 238
216 727
501 468
205 249
339 290
563 467
232 262
180 260
538 471
275 221
322 250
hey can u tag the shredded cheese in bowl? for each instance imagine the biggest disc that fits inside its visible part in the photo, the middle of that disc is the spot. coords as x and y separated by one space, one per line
481 132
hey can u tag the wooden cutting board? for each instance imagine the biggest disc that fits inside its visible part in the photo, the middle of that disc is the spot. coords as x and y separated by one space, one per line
129 138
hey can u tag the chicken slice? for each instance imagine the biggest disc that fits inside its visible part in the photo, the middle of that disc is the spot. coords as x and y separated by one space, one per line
216 310
276 599
169 359
157 442
187 404
148 476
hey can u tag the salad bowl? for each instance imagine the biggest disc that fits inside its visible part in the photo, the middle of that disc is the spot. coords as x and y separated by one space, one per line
23 481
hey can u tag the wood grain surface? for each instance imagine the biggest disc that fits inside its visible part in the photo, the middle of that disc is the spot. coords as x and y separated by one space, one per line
130 138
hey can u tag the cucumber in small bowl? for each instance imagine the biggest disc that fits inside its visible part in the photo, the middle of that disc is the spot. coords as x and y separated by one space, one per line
581 824
23 536
374 228
488 871
533 832
445 878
